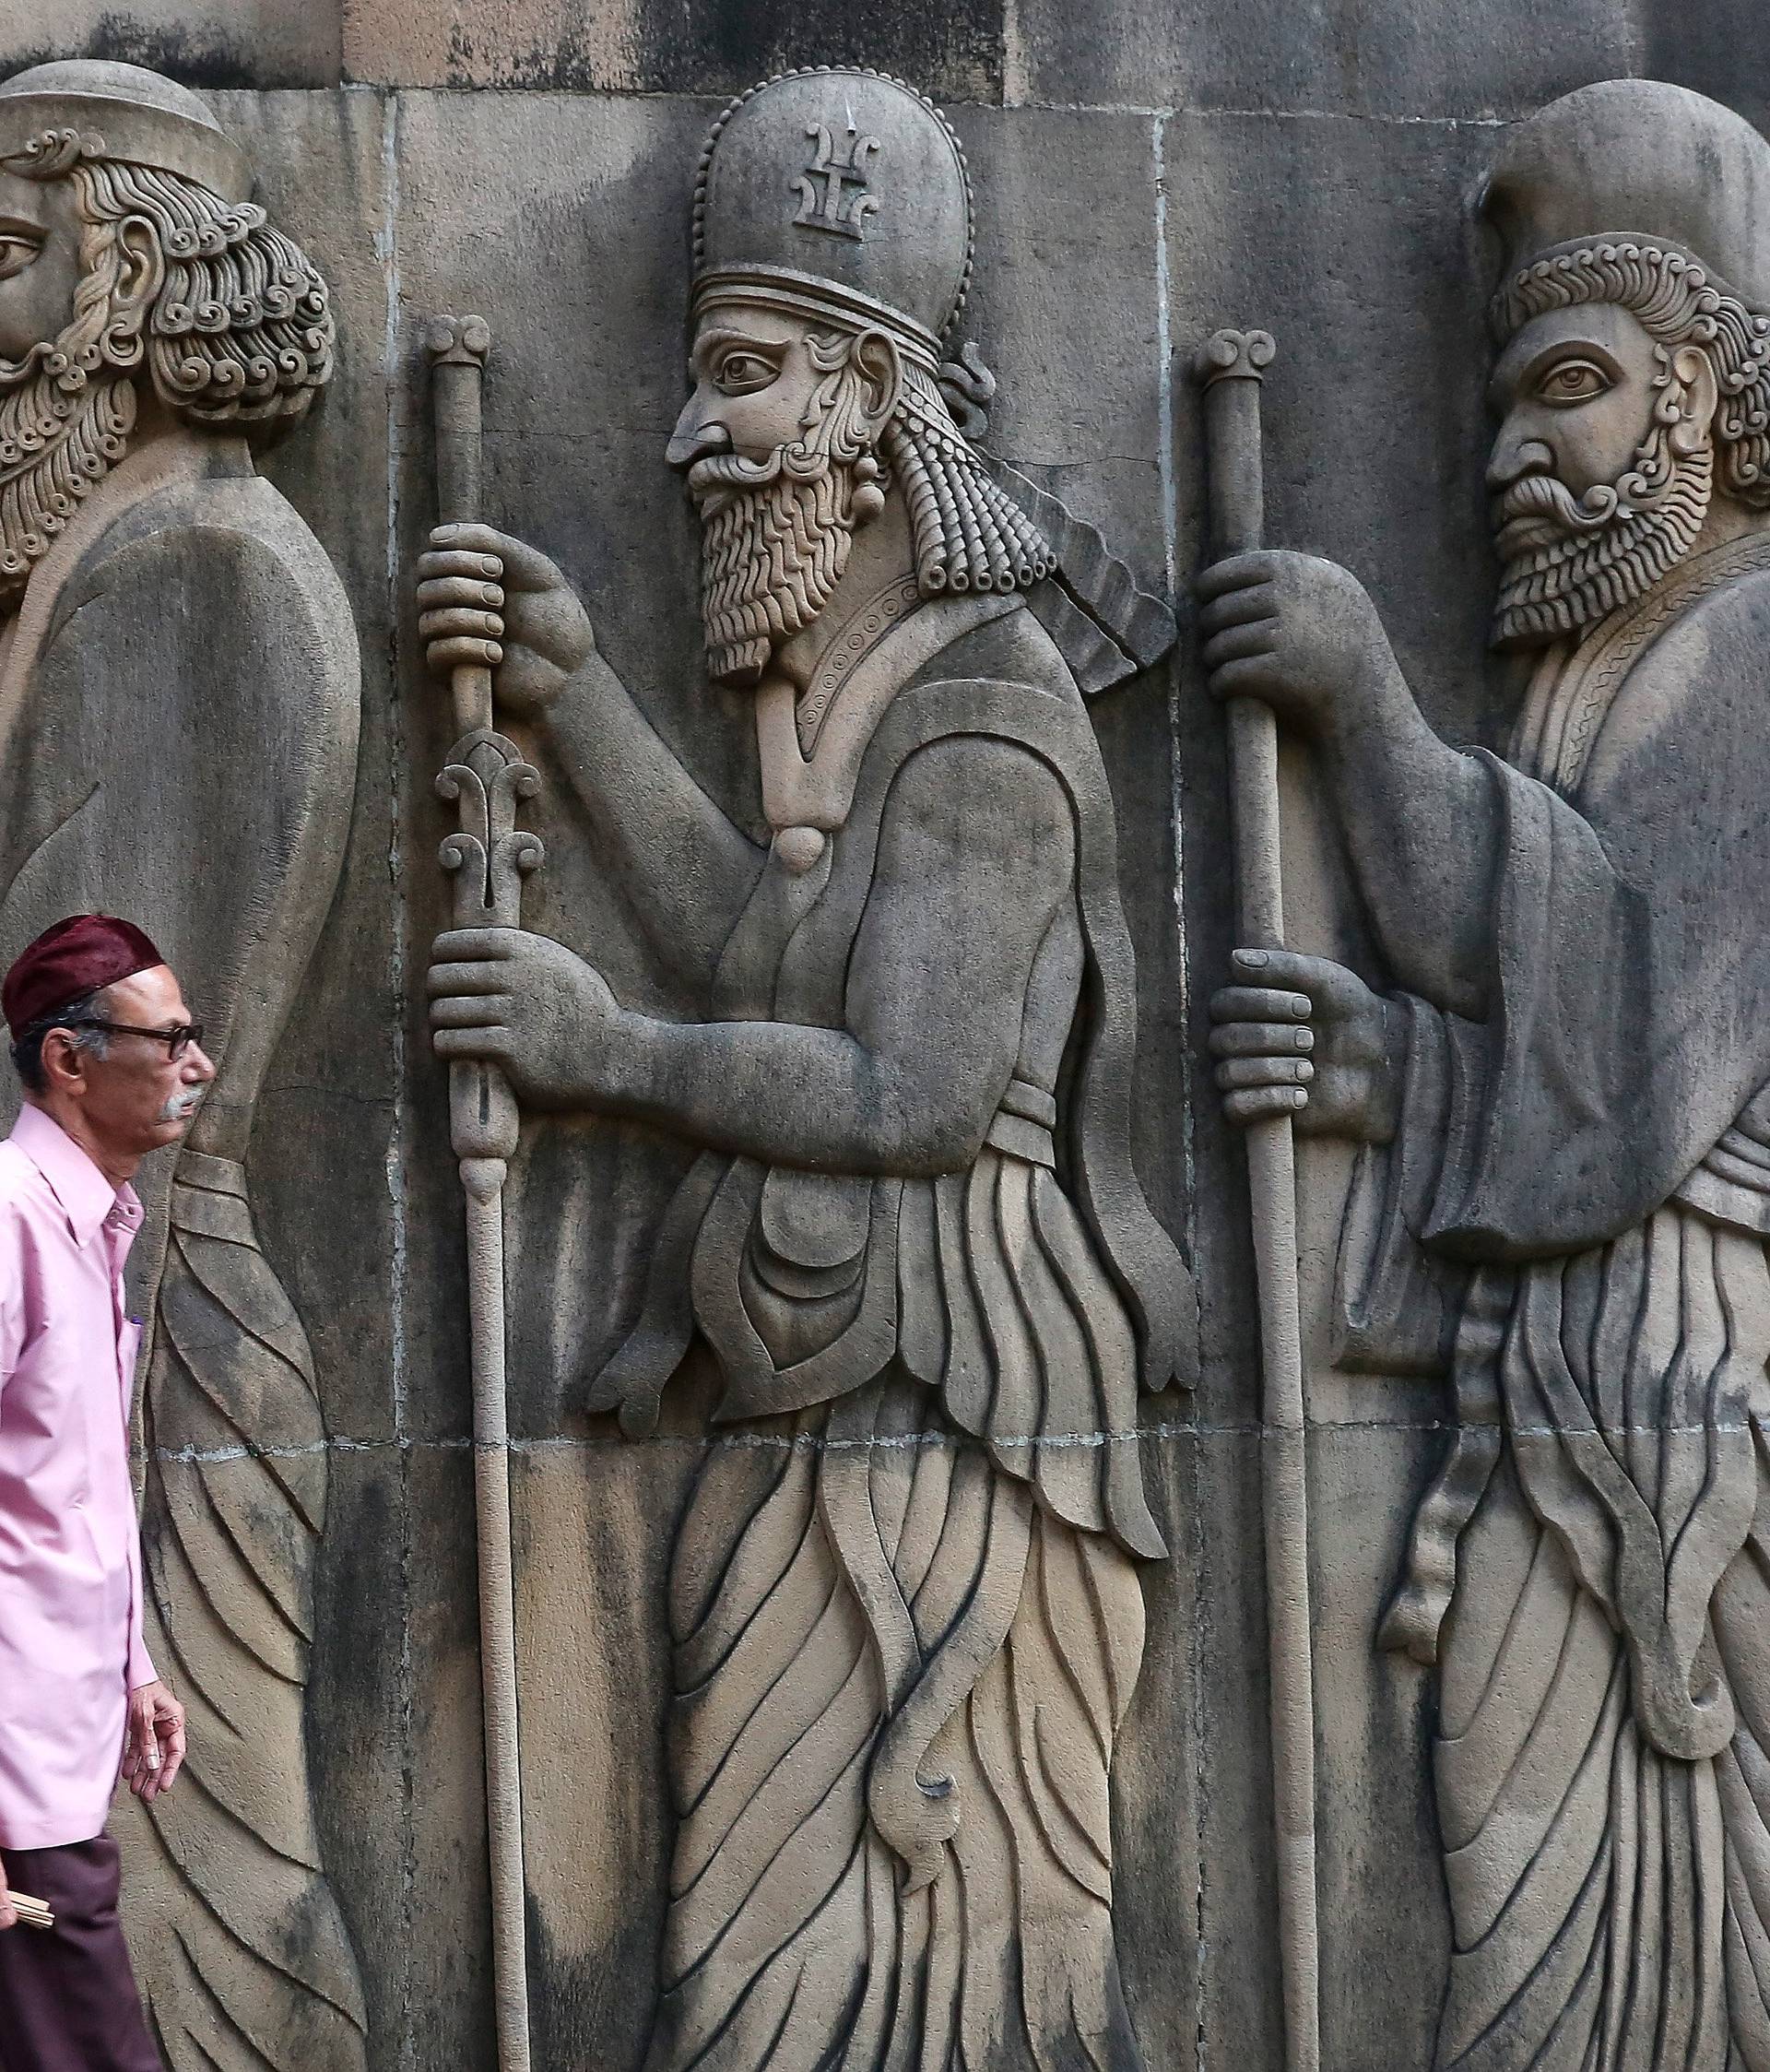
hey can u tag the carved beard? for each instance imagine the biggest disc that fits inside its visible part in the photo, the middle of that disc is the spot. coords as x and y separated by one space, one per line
61 430
1609 547
774 539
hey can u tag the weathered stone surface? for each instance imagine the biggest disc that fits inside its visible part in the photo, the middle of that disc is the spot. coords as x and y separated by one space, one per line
208 43
1149 181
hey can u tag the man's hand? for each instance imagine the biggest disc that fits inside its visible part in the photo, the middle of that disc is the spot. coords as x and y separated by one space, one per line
153 1745
1303 1037
8 1912
1300 633
485 599
526 1004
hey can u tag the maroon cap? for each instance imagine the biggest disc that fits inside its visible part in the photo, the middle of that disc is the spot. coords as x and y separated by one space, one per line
74 957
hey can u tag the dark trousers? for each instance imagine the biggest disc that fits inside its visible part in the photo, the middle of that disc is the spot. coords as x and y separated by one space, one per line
67 1996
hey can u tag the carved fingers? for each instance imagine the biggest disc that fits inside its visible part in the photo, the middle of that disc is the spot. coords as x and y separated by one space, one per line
528 1004
492 602
1294 630
1306 1037
1263 1067
459 604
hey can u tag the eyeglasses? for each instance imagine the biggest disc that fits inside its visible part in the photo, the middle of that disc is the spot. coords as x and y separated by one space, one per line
177 1039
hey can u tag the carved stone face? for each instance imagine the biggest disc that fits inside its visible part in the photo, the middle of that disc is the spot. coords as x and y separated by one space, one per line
1602 469
776 442
40 262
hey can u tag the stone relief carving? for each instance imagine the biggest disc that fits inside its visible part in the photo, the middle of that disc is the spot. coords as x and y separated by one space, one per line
1565 1199
904 1599
179 697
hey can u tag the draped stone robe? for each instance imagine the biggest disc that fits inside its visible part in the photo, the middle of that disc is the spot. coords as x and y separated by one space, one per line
907 1623
178 704
1575 1216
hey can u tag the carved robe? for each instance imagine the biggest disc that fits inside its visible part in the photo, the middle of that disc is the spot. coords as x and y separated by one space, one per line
907 1623
1576 1209
179 704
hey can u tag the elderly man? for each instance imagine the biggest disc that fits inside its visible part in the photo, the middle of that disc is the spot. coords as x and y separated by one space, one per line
113 1068
906 1599
1572 1080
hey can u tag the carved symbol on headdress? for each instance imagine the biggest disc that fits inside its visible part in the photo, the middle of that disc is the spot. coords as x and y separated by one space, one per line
832 189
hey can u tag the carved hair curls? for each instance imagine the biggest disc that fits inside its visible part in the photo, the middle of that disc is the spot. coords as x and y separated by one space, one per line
241 331
1677 304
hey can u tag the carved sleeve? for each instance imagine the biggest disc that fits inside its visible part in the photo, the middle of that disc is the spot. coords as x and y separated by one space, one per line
977 856
684 867
1630 967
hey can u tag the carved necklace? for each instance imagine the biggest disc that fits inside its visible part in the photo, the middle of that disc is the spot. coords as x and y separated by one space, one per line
884 609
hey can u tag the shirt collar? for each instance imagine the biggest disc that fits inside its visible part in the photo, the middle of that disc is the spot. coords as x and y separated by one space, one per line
85 1195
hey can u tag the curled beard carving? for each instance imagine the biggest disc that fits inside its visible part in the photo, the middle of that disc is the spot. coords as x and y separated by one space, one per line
771 554
1611 546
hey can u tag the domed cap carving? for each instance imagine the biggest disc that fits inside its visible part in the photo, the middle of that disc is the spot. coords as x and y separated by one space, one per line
1641 160
839 193
121 111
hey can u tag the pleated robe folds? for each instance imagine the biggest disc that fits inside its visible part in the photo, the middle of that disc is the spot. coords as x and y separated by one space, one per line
908 1623
1575 1215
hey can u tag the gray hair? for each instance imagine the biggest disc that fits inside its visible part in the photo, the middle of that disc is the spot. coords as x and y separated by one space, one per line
27 1046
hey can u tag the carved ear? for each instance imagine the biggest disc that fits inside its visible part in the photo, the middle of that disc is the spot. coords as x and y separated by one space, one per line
1698 396
877 361
143 271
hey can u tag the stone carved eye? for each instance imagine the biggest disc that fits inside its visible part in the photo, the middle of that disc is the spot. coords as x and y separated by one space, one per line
1574 381
17 252
741 374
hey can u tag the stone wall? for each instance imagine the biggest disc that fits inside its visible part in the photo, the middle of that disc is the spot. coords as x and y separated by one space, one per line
1144 173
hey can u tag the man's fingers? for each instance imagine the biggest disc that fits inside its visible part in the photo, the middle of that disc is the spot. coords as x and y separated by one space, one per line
1240 644
172 1755
1261 1039
1236 1073
1256 1104
1239 571
1259 1004
475 1011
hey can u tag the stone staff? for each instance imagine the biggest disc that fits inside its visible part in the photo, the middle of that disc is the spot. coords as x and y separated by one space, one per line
1229 368
489 858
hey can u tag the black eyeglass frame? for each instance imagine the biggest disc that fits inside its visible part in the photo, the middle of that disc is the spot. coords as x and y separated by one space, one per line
177 1039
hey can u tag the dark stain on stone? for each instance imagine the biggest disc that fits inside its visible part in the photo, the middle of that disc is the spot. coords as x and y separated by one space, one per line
195 59
952 52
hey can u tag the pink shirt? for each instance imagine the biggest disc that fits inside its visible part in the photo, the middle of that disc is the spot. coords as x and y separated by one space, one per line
70 1554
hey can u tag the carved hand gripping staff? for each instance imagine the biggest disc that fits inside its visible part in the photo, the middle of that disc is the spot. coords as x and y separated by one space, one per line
1229 369
488 857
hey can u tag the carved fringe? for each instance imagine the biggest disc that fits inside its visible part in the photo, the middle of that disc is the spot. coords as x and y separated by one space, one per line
240 1951
792 1936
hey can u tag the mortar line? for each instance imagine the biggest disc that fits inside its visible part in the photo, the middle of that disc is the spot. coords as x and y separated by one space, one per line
388 252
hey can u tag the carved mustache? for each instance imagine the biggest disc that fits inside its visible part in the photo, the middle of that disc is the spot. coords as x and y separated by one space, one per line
1547 496
717 474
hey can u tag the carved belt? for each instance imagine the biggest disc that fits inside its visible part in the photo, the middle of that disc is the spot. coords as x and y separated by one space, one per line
1022 1126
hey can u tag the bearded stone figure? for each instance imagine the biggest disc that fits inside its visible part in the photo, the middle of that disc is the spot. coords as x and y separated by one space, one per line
904 1601
178 698
1567 1093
